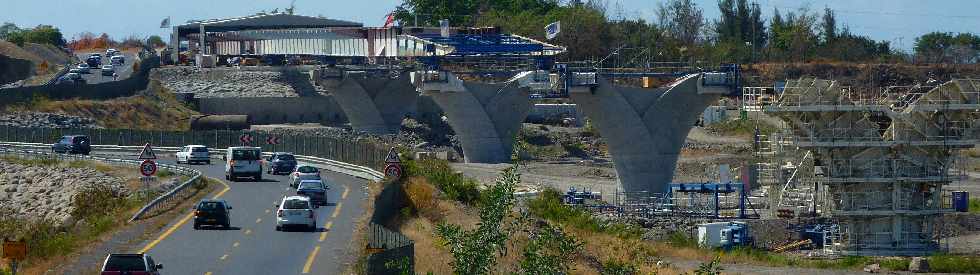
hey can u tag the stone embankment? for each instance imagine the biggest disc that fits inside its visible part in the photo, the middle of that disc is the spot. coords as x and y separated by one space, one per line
46 120
232 82
47 192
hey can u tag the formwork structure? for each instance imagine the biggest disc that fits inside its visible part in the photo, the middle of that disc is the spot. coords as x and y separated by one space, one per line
876 164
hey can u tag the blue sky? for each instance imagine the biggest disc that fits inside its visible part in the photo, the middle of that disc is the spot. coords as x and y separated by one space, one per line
899 21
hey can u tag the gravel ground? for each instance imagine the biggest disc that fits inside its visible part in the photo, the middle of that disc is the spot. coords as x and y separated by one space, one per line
46 192
46 120
231 82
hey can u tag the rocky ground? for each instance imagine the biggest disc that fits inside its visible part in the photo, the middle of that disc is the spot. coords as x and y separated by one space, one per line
413 134
46 192
46 120
232 82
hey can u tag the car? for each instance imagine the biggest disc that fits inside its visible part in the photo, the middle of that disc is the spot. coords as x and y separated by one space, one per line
73 144
74 71
84 68
243 162
108 70
295 211
193 154
303 172
117 60
315 190
280 162
130 264
212 213
93 62
111 52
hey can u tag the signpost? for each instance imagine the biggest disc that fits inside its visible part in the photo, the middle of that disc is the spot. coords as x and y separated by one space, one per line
393 164
148 167
14 251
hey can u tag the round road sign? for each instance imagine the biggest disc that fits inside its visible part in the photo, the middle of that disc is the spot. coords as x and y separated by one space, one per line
393 170
148 168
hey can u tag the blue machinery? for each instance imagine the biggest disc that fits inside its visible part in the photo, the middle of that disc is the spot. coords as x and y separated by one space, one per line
703 199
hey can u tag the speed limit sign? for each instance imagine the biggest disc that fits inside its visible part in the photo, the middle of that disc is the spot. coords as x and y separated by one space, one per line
148 168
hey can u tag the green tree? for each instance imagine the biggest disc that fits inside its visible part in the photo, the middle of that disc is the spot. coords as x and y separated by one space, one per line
550 251
683 20
829 26
45 34
155 41
932 47
7 28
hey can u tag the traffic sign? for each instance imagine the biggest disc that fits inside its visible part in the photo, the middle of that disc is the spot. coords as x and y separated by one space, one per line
148 168
15 250
393 170
147 152
392 156
245 138
273 140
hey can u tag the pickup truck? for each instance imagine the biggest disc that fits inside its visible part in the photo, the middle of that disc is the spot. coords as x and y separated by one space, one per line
130 264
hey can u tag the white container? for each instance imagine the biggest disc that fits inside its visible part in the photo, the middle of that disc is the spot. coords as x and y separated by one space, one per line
709 234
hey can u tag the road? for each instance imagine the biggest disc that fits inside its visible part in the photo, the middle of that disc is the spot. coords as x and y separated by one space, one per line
252 245
96 76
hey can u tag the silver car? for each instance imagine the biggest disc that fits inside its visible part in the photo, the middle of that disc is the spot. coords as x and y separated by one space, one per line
303 172
83 68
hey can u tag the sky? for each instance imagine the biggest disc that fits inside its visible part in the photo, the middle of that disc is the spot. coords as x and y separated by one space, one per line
898 21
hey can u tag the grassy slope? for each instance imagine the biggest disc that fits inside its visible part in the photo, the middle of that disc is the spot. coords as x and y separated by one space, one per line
151 111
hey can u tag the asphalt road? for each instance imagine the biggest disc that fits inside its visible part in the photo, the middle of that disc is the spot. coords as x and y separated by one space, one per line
95 76
252 245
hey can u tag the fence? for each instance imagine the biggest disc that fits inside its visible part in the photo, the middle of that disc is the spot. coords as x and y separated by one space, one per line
361 152
392 252
168 199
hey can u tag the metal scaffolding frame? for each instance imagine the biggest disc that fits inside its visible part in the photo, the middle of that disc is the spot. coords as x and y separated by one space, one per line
874 163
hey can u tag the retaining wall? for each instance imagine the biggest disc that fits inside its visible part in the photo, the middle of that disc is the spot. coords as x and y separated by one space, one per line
13 69
271 110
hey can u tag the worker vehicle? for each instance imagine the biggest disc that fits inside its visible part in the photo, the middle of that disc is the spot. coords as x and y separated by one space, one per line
243 162
295 211
73 144
212 213
130 264
280 162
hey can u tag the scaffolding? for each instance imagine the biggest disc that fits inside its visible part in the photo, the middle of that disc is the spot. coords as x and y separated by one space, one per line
876 164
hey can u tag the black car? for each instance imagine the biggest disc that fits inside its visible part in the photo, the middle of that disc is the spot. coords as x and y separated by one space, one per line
75 144
213 213
94 61
280 162
135 264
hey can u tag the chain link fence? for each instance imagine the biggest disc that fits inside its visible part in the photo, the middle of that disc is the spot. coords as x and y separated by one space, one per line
360 152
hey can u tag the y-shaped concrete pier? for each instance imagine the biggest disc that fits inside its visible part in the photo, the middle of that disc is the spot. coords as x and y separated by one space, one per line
645 128
486 117
373 104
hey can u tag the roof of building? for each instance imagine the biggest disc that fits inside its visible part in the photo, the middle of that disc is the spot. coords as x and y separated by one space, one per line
264 21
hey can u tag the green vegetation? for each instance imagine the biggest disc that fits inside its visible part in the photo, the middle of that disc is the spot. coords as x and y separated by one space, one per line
454 185
548 205
954 264
43 161
42 34
550 251
974 205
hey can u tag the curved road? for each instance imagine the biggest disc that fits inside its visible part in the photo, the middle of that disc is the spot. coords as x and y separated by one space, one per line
252 245
95 74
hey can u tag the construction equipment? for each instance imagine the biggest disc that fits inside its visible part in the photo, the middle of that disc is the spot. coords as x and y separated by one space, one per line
792 246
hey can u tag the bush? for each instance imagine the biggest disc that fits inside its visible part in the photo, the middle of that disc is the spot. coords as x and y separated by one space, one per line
420 195
548 205
454 185
954 264
96 200
974 205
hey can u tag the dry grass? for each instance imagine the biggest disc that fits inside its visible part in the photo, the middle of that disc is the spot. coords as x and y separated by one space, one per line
154 111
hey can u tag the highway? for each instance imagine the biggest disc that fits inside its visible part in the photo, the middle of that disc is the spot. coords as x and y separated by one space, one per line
96 76
252 245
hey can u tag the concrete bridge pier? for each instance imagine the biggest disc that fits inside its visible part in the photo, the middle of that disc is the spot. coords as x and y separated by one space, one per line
373 104
486 117
645 128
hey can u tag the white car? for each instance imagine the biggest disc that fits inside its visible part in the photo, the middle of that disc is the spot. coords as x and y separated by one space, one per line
194 153
117 60
243 162
84 68
303 172
108 70
295 211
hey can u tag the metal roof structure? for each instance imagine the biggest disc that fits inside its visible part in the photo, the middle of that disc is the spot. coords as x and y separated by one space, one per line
490 44
263 21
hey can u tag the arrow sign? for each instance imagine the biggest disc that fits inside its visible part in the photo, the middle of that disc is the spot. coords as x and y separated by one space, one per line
147 153
245 138
392 156
273 140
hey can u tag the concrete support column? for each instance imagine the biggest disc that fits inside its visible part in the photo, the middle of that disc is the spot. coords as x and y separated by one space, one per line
645 128
485 117
376 105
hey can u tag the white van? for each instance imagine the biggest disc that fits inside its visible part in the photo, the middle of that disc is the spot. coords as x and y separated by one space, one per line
243 162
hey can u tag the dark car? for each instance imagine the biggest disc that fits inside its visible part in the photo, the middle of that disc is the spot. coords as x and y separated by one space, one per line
76 144
212 213
280 162
94 61
130 264
316 190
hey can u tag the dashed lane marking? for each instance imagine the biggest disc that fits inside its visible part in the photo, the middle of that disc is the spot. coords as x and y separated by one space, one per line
267 211
259 220
223 257
326 228
180 223
309 260
248 231
208 273
235 244
336 211
344 196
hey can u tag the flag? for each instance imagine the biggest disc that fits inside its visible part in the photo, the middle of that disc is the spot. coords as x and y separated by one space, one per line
165 23
551 31
390 20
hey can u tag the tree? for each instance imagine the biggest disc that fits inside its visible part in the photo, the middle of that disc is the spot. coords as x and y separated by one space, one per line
941 47
7 28
829 26
46 34
155 41
682 20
